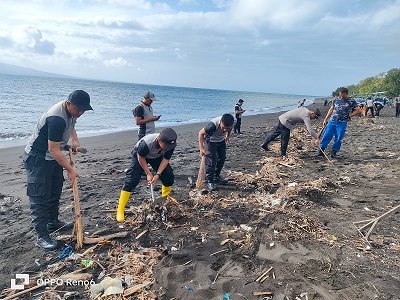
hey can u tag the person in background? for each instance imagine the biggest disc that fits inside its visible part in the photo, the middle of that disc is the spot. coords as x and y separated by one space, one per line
238 114
154 149
397 106
44 163
326 102
287 122
144 117
370 106
301 102
378 107
212 143
335 122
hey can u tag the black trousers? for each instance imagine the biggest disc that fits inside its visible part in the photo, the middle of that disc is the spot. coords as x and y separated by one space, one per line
372 111
236 128
397 109
135 172
44 185
215 159
279 130
378 109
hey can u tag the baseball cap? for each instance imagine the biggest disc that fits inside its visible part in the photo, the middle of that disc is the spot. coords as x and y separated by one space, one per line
168 136
80 99
241 100
150 95
317 112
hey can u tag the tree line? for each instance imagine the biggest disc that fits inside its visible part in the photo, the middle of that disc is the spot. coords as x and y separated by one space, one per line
387 82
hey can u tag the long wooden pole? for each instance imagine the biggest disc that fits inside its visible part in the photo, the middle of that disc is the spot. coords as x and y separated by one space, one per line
78 228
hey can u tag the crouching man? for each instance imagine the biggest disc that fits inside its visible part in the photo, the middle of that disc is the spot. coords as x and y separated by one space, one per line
214 137
154 149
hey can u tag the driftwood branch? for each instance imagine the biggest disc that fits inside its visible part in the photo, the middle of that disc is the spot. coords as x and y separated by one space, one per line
371 223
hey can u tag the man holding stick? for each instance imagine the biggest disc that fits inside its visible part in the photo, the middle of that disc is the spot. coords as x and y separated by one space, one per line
335 122
287 122
44 163
154 149
212 144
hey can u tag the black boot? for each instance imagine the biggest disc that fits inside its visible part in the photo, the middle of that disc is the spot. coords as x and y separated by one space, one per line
265 146
220 180
45 242
333 154
58 225
211 186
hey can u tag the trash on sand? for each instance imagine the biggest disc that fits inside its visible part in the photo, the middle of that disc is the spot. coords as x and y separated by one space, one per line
71 295
293 184
174 248
87 263
272 244
65 252
366 208
226 296
110 286
245 227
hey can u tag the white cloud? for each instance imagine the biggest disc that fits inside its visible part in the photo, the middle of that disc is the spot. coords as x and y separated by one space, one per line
118 62
282 15
28 38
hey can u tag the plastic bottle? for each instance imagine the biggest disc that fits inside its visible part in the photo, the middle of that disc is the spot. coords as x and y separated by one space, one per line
226 296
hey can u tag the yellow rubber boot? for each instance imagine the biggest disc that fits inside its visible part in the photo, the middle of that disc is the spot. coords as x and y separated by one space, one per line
123 199
165 190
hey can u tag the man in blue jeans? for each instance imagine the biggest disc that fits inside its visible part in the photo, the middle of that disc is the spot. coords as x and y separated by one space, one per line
335 122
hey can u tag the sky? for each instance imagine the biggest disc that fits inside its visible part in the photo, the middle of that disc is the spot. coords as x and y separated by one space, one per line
306 47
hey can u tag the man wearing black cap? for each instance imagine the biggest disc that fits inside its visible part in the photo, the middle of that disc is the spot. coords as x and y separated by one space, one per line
44 163
144 117
287 121
212 144
154 149
238 114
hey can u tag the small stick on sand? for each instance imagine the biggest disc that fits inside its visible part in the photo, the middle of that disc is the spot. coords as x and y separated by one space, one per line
261 277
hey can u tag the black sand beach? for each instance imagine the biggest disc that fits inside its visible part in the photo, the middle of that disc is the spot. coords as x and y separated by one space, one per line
295 215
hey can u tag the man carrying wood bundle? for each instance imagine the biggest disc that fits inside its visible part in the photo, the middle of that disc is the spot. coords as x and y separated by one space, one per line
154 149
44 163
215 136
287 122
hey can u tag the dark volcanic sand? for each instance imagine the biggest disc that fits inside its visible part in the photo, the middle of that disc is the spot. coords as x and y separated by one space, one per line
322 268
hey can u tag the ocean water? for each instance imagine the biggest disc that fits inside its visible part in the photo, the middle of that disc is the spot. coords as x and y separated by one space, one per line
23 99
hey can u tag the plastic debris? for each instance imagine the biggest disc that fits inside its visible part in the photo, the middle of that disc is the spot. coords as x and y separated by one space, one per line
245 227
110 286
87 263
226 296
65 252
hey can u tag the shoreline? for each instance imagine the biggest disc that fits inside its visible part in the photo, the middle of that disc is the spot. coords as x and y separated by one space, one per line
5 144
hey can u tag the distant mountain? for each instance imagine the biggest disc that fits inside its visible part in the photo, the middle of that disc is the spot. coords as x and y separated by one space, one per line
16 70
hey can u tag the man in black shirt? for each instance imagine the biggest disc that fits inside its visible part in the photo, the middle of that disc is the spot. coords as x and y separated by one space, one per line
44 163
144 117
238 114
212 144
154 149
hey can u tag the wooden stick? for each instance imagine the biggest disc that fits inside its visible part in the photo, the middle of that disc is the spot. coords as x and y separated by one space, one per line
88 240
264 275
202 174
136 288
370 230
320 149
141 234
220 251
78 227
286 165
262 293
16 295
